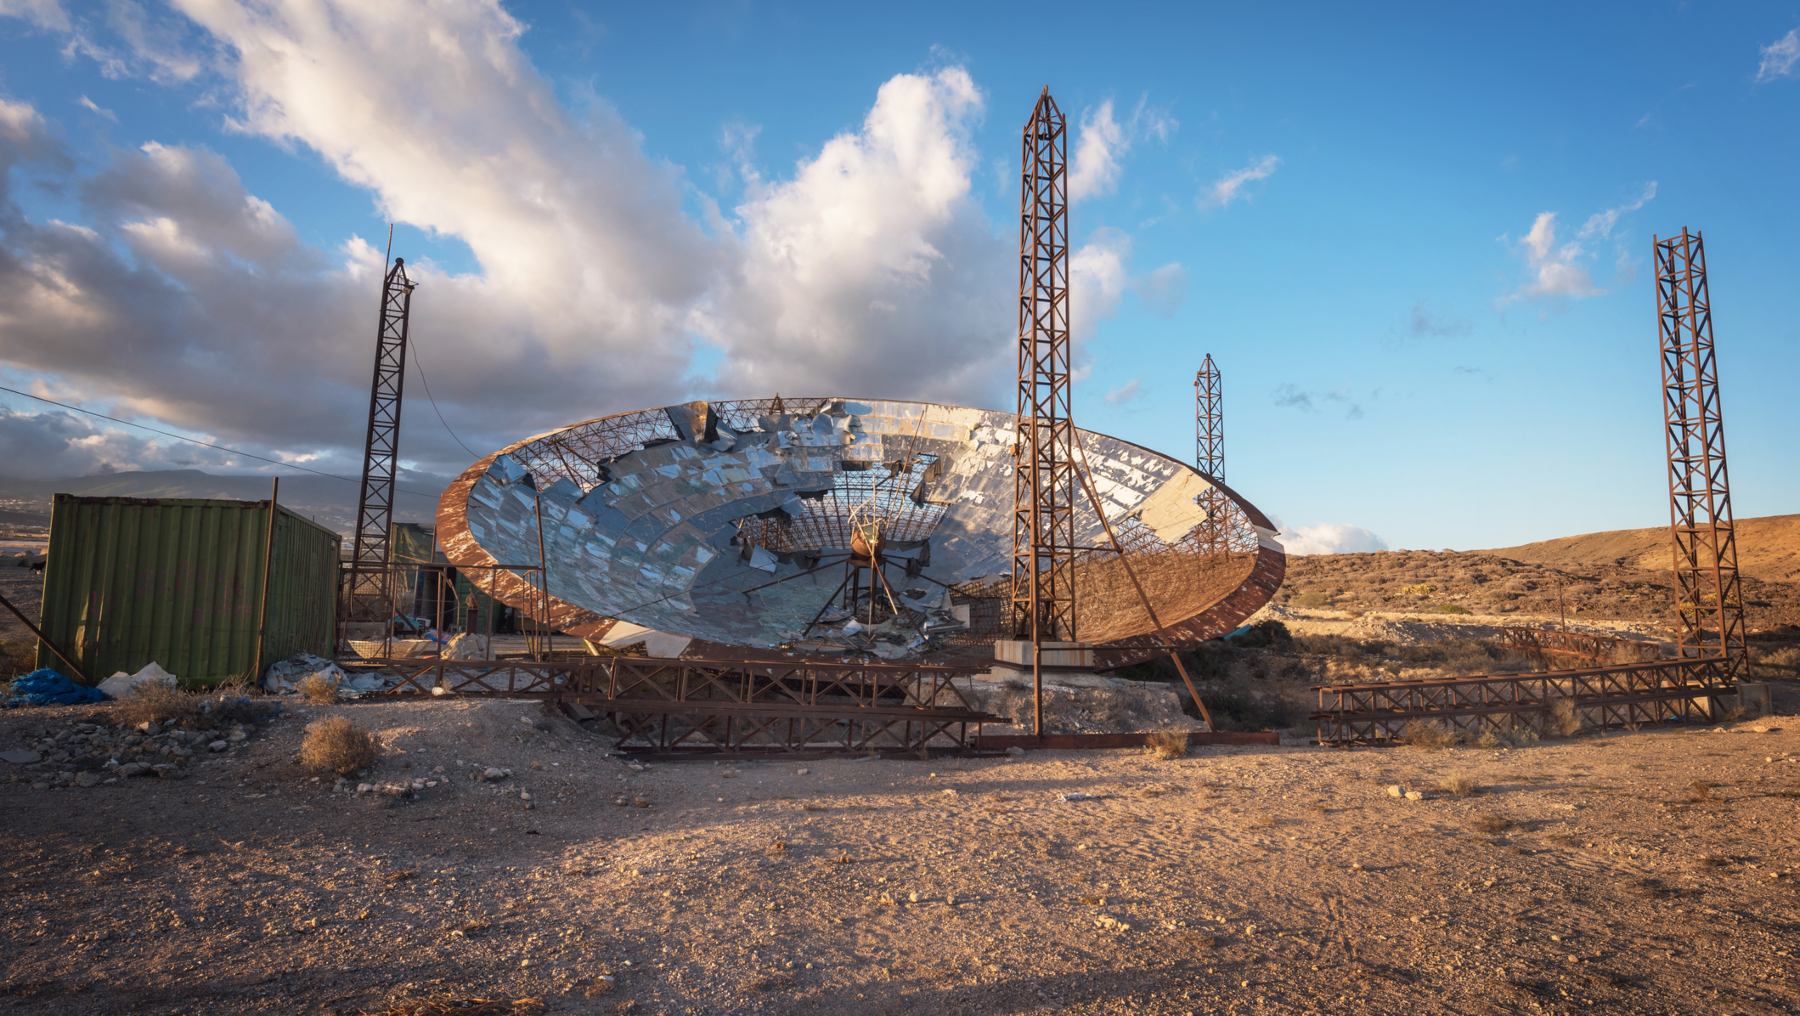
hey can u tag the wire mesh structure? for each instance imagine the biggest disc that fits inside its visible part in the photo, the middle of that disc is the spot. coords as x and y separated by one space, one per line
1045 481
1709 601
367 592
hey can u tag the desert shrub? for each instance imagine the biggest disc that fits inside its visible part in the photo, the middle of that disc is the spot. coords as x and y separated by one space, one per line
1418 589
1429 734
154 702
1783 662
1312 598
335 746
1460 785
1491 825
317 689
1167 744
1565 718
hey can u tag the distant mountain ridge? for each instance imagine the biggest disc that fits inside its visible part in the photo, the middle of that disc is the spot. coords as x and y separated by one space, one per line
328 500
1768 549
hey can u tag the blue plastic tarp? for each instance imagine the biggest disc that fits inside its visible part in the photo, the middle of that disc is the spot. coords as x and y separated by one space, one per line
46 687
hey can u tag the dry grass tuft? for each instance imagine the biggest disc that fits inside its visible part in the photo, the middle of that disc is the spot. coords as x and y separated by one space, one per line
1167 744
1698 792
1565 718
156 703
335 745
1460 785
317 689
461 1007
1491 825
1427 734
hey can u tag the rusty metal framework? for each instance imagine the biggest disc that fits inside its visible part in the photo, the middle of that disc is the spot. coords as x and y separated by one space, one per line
1587 648
698 705
1045 480
367 592
1215 533
1709 603
1626 695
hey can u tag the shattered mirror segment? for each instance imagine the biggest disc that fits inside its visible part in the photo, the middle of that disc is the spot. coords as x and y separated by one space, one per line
840 528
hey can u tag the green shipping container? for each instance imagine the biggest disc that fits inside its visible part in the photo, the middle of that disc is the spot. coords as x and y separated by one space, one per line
179 582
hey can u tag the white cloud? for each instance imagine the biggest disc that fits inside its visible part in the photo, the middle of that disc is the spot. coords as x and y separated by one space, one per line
1102 144
1779 57
1555 271
1559 270
1230 187
41 13
182 296
1331 538
97 109
872 268
1600 224
1126 393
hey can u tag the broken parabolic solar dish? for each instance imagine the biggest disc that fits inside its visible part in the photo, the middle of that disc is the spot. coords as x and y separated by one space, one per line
837 527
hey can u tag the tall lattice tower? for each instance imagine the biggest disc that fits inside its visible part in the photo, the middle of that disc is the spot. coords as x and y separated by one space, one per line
1709 601
368 596
1209 452
1045 481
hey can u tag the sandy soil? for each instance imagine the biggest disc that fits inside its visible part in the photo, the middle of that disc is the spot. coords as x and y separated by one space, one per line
1585 873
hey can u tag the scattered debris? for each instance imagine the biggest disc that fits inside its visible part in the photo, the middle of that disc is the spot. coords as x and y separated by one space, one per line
46 687
122 684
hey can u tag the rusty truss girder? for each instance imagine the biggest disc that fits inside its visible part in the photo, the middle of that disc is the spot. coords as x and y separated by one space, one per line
731 705
1625 695
367 594
1709 602
1045 481
1585 647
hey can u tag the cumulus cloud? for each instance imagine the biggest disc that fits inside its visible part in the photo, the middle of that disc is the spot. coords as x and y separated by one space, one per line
56 443
1559 269
1779 57
1331 538
872 268
1102 143
1231 186
182 296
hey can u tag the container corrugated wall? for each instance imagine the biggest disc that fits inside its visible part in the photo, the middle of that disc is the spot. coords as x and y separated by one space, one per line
179 582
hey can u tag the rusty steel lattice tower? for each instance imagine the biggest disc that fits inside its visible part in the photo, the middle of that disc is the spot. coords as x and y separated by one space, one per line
1209 452
1044 478
1708 599
367 596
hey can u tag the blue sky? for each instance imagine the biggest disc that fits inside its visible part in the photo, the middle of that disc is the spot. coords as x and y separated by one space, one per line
629 203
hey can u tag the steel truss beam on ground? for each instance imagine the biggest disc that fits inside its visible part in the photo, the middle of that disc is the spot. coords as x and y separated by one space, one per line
1626 695
730 705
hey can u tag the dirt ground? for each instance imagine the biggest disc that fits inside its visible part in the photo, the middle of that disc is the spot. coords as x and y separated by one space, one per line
1650 872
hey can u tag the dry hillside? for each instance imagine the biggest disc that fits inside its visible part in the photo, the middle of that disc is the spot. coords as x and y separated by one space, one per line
1768 549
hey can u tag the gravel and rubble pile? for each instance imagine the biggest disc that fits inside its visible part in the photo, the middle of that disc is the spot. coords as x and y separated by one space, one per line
90 749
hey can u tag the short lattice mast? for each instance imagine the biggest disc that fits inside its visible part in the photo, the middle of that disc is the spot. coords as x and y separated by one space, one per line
1045 480
1209 453
369 597
1708 599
